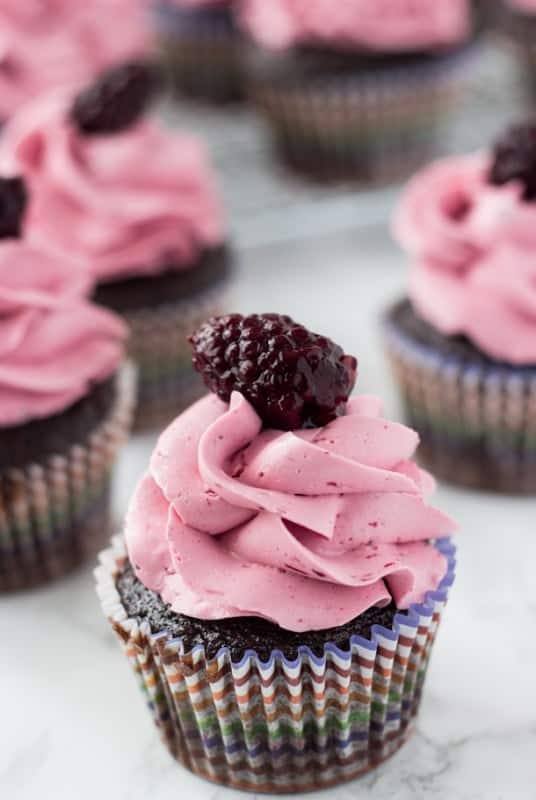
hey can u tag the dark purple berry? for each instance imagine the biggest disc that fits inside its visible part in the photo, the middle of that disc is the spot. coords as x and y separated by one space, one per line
292 377
116 100
514 158
13 201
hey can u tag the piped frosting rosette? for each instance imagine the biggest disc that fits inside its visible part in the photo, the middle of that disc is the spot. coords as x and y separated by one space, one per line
54 344
472 244
305 528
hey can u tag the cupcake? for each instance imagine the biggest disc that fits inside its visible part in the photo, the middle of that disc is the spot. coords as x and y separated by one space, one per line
360 89
137 206
281 577
518 24
46 43
202 48
463 344
64 409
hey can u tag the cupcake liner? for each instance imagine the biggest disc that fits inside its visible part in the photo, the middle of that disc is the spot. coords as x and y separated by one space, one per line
280 725
202 50
520 32
55 515
368 125
167 381
477 421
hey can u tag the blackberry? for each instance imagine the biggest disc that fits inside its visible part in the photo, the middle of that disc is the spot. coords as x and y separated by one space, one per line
514 158
13 201
116 100
292 377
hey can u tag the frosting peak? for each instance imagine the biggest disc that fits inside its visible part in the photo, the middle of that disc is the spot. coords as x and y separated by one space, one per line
472 244
135 202
380 25
307 528
53 343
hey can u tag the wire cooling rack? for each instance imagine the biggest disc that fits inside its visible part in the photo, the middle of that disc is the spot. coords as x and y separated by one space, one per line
267 205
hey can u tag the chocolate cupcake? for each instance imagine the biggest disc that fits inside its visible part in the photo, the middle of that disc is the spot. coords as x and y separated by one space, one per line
48 43
463 346
281 577
137 206
202 48
357 90
65 408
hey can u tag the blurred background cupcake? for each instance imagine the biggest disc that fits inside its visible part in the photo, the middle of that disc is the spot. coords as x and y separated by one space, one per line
518 23
47 43
65 408
137 206
361 89
463 345
202 48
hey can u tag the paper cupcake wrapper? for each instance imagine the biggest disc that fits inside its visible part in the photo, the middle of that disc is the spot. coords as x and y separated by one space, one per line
280 725
55 515
202 50
477 422
373 125
167 381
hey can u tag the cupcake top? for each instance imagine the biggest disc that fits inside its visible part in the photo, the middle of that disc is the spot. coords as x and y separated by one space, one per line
124 194
469 224
54 344
375 25
46 43
306 526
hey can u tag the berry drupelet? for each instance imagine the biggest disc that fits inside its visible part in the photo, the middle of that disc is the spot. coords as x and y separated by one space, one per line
514 158
13 202
116 100
292 377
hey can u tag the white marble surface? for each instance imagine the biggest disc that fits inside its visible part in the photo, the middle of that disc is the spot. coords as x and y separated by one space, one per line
72 723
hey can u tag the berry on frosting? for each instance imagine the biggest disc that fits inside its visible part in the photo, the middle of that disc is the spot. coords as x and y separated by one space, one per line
514 158
116 100
292 377
13 200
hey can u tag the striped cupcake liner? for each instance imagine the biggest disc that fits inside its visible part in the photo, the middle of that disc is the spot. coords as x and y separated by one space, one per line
202 51
374 125
55 515
281 726
167 382
477 421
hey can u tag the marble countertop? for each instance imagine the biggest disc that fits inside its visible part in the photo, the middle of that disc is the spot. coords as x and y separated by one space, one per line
72 723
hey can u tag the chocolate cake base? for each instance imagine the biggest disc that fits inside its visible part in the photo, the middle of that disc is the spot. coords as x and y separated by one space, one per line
243 633
34 442
146 291
474 414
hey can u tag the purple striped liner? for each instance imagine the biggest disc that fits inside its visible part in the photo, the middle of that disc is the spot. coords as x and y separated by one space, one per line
281 725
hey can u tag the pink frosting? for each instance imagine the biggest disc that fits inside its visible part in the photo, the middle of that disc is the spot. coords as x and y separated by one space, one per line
306 528
526 6
472 245
388 25
128 203
45 43
53 343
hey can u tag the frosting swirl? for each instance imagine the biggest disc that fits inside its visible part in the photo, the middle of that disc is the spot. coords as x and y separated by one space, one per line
472 245
381 25
53 343
306 528
46 43
130 203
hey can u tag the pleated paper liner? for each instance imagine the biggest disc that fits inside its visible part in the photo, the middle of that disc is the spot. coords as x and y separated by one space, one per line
371 125
167 382
202 51
281 726
477 422
55 515
519 31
